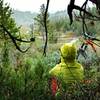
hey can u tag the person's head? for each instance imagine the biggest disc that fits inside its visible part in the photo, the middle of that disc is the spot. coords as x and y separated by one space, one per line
68 52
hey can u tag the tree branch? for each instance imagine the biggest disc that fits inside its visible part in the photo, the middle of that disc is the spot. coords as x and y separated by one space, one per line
45 25
14 40
72 6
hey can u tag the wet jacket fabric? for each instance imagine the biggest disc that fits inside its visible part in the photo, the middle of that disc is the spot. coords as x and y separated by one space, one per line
69 70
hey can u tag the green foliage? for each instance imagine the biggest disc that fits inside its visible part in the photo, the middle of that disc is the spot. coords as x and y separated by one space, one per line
9 23
30 80
5 55
6 19
27 81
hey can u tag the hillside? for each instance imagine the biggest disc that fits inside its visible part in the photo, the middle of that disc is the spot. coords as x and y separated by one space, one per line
26 18
23 18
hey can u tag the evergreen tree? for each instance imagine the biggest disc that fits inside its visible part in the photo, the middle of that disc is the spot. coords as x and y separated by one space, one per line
7 22
6 19
40 18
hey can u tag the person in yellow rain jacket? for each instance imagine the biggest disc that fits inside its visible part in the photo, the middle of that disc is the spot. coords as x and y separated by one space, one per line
69 70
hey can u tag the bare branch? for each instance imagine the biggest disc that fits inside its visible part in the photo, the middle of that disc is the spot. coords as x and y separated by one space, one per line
45 25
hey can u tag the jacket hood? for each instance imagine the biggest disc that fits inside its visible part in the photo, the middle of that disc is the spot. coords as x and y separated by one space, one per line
68 52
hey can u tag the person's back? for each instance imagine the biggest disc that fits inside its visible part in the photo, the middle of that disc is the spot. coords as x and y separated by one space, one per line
69 70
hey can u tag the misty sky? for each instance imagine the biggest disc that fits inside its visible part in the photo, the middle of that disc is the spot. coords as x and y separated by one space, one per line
34 5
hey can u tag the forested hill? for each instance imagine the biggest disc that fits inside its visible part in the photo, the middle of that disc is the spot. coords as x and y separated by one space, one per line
23 18
26 18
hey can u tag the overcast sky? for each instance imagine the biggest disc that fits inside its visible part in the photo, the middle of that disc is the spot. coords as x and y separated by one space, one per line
34 5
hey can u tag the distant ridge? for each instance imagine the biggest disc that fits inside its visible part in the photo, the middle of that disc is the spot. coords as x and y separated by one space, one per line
26 18
23 18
